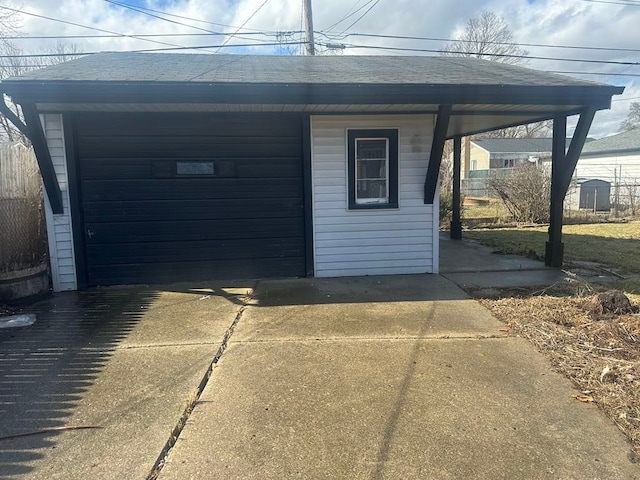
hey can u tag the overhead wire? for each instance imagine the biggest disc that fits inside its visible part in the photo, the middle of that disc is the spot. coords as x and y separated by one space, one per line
349 14
496 55
628 3
189 18
153 15
87 26
436 39
360 17
241 26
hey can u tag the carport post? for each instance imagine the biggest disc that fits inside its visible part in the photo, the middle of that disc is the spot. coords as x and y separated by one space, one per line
456 224
555 248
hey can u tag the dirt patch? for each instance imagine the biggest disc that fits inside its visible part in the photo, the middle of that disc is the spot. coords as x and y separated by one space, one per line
591 339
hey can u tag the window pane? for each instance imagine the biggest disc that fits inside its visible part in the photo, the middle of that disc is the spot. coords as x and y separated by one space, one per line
371 148
371 170
371 190
194 168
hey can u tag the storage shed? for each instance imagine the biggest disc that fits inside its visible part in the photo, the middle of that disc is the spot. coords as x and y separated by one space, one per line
594 195
166 167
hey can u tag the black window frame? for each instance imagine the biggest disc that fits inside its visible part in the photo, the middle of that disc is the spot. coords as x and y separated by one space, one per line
391 135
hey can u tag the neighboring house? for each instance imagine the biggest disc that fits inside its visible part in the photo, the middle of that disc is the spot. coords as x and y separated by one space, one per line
488 155
613 159
610 169
165 167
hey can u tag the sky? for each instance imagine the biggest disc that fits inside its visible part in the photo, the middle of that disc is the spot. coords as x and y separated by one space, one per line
607 27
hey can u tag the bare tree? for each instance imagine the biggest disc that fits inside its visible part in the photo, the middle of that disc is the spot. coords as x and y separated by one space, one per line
486 36
633 118
15 65
530 130
632 186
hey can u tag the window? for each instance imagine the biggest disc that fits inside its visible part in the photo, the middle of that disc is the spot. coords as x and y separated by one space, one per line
194 168
373 168
474 164
508 163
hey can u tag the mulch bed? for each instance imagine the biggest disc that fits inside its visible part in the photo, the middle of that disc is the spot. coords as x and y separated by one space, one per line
591 339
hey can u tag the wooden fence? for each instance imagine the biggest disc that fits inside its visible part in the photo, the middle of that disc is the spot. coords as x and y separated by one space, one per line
23 237
19 173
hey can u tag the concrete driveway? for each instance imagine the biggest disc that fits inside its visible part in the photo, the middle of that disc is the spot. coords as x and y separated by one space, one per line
373 377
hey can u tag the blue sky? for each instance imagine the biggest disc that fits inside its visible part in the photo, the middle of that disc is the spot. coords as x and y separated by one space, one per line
545 22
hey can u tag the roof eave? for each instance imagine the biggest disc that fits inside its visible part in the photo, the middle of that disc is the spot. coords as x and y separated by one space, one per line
31 91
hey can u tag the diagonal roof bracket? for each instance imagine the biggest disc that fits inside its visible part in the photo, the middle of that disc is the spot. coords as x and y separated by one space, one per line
575 147
34 132
437 147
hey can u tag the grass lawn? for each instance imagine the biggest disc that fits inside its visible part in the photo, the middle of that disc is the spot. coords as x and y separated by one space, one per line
613 244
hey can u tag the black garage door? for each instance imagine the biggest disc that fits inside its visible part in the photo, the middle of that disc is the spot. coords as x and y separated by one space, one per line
190 197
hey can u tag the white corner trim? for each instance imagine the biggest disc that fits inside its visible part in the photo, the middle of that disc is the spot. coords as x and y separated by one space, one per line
436 230
51 240
57 222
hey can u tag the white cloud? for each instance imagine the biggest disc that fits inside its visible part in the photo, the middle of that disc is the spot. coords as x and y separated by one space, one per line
555 22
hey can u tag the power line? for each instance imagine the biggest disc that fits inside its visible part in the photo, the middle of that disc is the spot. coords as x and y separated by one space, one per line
497 55
269 34
149 50
350 13
360 17
435 39
241 26
119 35
596 73
86 26
187 18
375 47
628 3
139 10
624 99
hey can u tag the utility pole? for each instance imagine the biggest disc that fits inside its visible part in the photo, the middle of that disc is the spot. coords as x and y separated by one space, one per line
308 28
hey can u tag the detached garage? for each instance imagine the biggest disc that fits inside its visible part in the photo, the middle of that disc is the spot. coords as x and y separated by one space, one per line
165 167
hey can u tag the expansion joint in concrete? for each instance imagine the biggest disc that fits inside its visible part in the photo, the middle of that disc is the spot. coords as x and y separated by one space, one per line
193 400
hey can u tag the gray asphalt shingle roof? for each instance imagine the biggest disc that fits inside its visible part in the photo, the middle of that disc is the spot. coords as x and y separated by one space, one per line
516 145
625 141
157 67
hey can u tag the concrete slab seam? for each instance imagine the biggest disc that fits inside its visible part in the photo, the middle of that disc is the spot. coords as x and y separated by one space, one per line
375 339
175 434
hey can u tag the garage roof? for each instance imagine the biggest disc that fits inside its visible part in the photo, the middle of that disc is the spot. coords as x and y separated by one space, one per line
485 95
372 70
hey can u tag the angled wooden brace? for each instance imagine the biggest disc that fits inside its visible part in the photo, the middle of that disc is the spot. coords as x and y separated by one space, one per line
33 131
437 147
575 147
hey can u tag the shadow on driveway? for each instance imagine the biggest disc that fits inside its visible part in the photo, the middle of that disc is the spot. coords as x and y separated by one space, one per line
46 368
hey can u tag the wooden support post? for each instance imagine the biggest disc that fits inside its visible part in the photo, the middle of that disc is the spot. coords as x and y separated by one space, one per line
437 147
555 248
456 222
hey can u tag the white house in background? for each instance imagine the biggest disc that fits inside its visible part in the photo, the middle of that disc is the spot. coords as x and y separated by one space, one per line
614 160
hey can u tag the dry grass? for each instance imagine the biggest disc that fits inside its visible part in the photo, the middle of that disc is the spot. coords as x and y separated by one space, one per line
600 354
612 244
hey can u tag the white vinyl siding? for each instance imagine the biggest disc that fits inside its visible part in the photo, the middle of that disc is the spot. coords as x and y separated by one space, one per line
59 230
372 242
626 168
